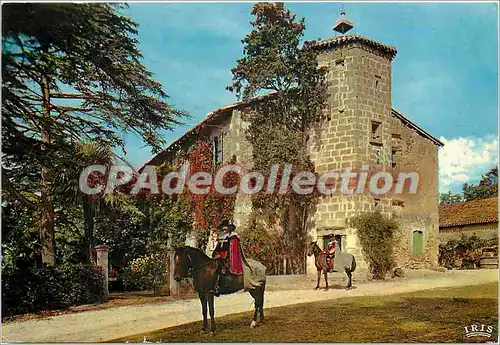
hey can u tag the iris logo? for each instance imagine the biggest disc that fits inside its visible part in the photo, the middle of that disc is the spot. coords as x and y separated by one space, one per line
478 331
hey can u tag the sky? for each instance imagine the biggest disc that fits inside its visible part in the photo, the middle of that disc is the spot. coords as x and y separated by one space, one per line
444 77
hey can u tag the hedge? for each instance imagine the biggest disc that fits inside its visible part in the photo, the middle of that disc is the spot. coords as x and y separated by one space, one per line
45 288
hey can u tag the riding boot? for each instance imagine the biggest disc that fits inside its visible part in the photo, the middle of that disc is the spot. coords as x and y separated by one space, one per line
216 289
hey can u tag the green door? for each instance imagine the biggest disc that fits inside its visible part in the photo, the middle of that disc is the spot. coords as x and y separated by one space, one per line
418 242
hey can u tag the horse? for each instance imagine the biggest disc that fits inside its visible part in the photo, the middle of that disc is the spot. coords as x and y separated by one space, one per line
342 261
204 271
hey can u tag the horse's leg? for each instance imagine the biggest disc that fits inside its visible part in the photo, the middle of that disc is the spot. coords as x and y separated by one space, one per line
254 293
349 275
319 278
212 312
261 300
325 272
203 300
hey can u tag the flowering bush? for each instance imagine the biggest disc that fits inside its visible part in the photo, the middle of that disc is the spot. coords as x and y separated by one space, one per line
112 272
145 272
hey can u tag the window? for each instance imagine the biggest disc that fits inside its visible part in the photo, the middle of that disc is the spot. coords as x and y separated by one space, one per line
393 158
418 243
377 82
377 156
376 135
399 203
376 202
217 147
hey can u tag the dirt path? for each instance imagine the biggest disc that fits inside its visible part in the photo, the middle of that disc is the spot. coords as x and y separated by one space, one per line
102 325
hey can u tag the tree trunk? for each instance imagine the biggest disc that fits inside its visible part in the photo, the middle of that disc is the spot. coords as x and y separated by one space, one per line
47 214
88 220
47 217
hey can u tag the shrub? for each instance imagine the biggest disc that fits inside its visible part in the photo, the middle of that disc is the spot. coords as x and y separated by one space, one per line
262 243
44 288
464 252
145 272
376 235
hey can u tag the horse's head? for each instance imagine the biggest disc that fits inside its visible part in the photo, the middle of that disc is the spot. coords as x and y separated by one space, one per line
182 263
311 247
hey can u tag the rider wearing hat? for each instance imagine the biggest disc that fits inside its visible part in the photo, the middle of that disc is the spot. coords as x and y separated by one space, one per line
330 253
228 249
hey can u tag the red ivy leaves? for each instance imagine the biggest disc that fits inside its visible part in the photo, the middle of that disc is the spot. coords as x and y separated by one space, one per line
211 208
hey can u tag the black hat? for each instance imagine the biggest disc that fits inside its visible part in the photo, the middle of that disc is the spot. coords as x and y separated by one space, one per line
228 223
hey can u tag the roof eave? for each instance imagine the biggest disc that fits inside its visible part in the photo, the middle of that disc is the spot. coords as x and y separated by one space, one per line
419 129
446 226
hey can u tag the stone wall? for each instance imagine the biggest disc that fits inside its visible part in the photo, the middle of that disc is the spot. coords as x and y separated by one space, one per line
484 231
418 211
359 92
236 144
358 129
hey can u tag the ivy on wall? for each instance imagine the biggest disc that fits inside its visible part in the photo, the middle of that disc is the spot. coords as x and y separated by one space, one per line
275 64
211 208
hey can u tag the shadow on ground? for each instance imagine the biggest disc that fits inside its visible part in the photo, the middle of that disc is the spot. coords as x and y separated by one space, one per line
438 315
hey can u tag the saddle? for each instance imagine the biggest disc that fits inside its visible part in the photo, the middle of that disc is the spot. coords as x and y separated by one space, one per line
329 261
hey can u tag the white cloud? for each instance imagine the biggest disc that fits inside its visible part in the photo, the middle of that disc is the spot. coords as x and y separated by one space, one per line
465 160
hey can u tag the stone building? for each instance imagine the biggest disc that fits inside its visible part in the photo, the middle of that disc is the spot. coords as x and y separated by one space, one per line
479 217
359 127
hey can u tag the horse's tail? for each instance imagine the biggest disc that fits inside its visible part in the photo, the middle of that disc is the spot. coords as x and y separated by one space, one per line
244 259
353 264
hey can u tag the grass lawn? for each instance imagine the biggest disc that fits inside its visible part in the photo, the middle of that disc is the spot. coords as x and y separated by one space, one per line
437 315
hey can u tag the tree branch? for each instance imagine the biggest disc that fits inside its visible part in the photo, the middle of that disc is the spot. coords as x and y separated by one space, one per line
7 185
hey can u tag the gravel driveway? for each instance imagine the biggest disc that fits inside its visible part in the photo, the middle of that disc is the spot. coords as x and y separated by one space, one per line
107 324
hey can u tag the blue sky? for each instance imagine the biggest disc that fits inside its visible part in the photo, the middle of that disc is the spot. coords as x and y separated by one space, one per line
444 76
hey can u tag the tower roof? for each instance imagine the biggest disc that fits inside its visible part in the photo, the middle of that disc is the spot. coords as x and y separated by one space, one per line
343 24
340 40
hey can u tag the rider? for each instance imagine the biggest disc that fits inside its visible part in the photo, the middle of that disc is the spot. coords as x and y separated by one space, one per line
330 253
228 249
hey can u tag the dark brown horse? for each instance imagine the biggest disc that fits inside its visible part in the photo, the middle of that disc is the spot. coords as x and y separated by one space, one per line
192 261
342 262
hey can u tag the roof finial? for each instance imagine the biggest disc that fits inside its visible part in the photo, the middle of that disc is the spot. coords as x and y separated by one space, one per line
343 24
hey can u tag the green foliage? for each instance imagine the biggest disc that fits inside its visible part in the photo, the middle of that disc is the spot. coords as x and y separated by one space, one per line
486 188
71 73
93 50
174 221
19 235
450 198
145 272
264 243
464 252
294 88
376 234
44 288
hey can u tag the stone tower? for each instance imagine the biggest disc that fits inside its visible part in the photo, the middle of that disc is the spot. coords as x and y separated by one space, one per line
355 130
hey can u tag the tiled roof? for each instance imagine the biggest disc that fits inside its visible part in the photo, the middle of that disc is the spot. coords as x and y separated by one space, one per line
470 212
217 113
227 109
338 40
345 39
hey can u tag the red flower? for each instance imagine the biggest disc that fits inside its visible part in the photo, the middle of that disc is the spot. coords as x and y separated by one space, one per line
112 272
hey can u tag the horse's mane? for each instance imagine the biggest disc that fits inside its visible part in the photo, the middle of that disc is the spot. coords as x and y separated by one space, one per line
196 251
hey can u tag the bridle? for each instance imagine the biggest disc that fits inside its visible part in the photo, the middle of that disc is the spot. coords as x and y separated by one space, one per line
316 249
191 268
